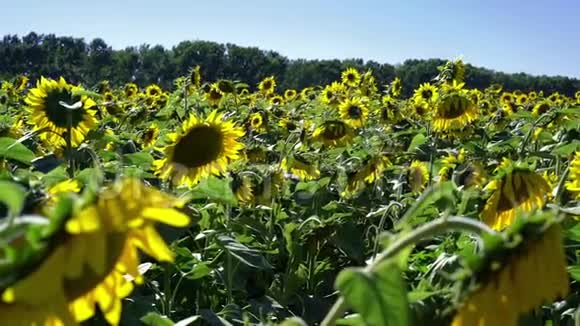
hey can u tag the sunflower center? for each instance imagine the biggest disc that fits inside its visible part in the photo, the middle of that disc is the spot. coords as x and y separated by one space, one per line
58 114
355 112
202 145
543 108
426 94
454 107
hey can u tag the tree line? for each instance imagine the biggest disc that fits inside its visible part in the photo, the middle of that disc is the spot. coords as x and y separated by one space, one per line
88 63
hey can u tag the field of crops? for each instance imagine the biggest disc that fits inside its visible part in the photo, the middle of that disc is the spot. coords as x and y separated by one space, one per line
222 203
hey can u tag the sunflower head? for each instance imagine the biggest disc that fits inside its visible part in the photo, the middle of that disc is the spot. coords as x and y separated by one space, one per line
195 76
257 122
426 92
351 77
396 87
573 182
516 187
214 95
453 112
511 279
277 100
290 94
541 107
267 85
333 133
153 90
225 86
354 112
54 105
201 148
300 167
242 188
150 135
130 90
418 176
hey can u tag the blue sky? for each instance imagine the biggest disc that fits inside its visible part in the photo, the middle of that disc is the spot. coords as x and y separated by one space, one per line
538 37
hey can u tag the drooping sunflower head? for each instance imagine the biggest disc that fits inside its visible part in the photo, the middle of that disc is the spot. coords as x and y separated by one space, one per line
20 83
308 94
242 188
554 98
419 109
541 107
516 187
225 86
511 279
333 133
202 147
351 77
418 176
454 112
300 167
288 124
267 85
214 95
354 112
53 105
195 76
374 167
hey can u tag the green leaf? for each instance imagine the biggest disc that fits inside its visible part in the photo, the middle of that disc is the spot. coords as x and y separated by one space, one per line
198 271
574 272
435 193
214 189
141 159
12 149
155 319
13 196
247 256
568 149
379 297
417 141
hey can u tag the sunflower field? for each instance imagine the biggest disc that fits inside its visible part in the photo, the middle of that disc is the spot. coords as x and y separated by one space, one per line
223 203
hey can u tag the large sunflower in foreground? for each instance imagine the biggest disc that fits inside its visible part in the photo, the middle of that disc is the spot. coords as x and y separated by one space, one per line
454 112
354 112
202 147
96 261
333 133
47 112
527 276
515 188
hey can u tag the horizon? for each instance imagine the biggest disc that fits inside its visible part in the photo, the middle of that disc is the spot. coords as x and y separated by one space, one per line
484 35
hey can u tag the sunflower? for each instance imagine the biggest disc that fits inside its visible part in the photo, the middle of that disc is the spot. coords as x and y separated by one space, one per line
515 188
506 97
419 109
214 95
533 95
277 100
573 183
485 107
130 90
418 176
554 98
288 124
153 90
96 259
333 133
201 148
267 85
308 94
390 112
150 135
351 77
257 122
290 94
242 188
522 99
541 107
195 76
354 112
454 112
300 167
332 94
395 88
426 92
46 102
374 168
354 185
529 275
19 84
225 86
449 163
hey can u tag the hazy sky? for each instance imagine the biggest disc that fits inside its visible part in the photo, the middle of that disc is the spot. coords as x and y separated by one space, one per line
538 37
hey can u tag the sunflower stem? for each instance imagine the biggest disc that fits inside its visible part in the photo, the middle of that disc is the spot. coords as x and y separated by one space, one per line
431 229
69 154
